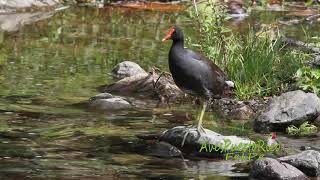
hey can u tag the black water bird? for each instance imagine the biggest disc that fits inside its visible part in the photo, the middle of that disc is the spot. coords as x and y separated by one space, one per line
194 73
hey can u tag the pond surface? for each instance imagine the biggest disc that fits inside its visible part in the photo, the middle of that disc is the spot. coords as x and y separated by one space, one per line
49 68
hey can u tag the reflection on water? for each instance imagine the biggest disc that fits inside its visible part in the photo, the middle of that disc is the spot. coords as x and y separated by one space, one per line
49 66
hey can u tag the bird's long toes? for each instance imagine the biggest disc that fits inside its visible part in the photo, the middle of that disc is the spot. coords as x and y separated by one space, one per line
201 130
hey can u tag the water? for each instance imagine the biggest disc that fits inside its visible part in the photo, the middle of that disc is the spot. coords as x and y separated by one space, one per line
49 68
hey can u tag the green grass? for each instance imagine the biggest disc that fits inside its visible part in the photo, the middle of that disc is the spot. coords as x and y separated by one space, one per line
259 65
308 79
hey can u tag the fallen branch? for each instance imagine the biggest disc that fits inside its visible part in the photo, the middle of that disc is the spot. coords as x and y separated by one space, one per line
302 45
298 21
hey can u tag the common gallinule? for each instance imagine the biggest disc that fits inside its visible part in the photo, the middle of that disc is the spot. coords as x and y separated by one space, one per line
194 73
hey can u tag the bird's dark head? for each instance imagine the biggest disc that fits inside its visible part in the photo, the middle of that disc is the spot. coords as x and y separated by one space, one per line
175 33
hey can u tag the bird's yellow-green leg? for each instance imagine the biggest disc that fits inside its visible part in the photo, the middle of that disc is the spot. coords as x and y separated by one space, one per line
204 107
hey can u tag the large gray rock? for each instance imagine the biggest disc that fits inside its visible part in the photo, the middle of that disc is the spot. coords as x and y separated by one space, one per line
306 161
271 169
127 69
194 140
107 102
293 107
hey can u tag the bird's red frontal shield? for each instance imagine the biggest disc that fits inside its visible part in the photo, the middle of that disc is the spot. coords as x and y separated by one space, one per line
169 34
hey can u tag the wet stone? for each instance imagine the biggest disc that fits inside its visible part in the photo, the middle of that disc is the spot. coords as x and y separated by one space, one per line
101 96
115 103
127 69
163 149
272 169
195 140
306 161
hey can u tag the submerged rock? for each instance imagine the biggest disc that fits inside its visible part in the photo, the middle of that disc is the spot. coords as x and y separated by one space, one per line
163 149
271 169
306 161
101 96
106 101
194 140
127 69
291 108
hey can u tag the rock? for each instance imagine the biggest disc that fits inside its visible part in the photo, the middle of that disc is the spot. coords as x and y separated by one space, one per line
315 63
101 96
306 161
152 85
317 121
271 169
244 112
163 149
127 69
303 148
113 103
195 140
291 108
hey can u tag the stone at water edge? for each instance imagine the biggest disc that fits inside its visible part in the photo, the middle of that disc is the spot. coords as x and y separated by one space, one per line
317 121
163 149
101 96
127 69
315 63
242 113
291 108
271 169
306 161
193 141
106 101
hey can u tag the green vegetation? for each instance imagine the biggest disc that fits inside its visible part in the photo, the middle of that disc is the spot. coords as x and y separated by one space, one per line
305 129
259 65
308 79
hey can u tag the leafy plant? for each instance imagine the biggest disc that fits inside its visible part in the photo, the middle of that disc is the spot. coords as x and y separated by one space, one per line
305 129
308 79
259 65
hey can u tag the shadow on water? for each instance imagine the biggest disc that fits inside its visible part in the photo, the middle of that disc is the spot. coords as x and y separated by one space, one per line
50 67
